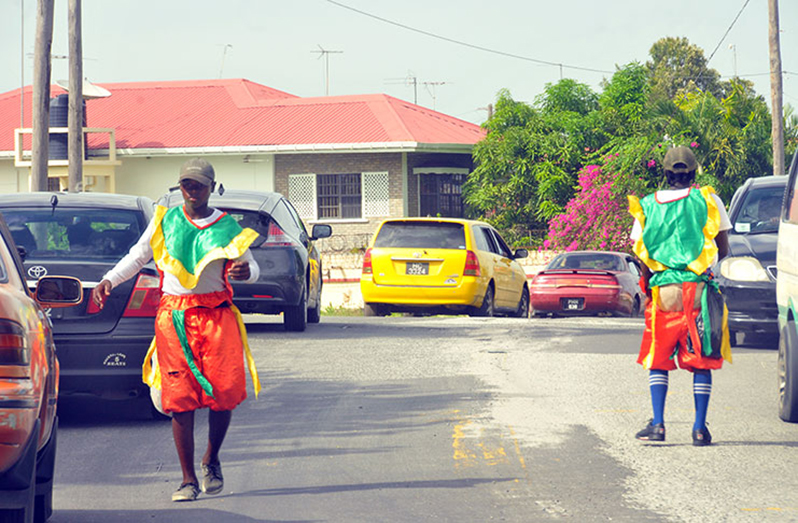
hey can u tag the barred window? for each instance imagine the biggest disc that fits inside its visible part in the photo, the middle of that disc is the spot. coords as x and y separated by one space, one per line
441 194
339 195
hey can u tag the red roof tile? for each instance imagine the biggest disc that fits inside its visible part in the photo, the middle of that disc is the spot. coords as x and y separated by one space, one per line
230 113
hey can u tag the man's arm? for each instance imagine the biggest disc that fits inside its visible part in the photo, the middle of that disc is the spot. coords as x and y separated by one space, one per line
722 241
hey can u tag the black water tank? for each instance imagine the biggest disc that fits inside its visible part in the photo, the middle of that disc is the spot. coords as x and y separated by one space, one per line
59 117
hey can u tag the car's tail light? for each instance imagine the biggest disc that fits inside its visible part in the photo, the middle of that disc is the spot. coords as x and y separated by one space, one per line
472 267
275 237
13 344
367 269
144 299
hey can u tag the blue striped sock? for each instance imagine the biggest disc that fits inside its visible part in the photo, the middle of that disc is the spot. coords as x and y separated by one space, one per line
702 388
658 383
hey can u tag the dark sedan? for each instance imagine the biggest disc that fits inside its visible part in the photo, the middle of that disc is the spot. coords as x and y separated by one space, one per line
290 279
747 277
588 282
84 235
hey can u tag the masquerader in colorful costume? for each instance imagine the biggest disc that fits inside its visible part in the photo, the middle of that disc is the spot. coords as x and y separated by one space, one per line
198 356
678 234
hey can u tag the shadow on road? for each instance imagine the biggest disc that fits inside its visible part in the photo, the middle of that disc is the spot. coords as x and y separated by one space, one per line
137 516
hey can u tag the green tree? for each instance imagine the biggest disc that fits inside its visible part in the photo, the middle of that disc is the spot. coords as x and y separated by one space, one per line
677 66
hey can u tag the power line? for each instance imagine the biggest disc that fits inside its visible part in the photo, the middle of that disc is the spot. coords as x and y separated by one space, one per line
728 30
466 44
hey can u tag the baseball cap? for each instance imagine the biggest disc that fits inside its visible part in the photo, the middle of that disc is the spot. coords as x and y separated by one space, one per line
198 170
679 160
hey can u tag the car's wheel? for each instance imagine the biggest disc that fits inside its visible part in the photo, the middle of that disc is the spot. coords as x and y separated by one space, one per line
27 465
372 309
314 313
788 373
732 338
486 309
295 317
523 304
635 308
45 472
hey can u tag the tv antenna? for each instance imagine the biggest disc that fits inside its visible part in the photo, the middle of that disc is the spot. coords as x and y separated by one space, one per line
322 52
224 55
430 87
410 79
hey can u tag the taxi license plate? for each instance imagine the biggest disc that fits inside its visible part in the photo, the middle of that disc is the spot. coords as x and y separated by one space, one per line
417 268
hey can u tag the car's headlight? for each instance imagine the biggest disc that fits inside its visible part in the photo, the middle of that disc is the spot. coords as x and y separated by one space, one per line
743 268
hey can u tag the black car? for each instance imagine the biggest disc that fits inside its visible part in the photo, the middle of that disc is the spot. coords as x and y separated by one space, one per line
290 265
84 235
747 277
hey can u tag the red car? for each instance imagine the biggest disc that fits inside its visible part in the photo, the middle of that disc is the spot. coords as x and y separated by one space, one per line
28 385
588 282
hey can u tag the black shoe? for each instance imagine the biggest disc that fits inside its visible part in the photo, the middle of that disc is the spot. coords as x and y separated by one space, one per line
702 437
652 432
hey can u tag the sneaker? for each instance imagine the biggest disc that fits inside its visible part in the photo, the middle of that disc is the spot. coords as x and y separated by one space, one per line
212 480
652 432
186 492
702 437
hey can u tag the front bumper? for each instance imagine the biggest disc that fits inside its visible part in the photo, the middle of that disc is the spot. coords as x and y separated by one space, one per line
752 306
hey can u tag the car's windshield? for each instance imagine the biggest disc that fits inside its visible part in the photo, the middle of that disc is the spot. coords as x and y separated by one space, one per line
605 262
69 233
759 211
421 235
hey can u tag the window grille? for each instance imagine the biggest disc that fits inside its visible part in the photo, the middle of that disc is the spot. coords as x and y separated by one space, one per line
376 198
441 194
302 193
339 195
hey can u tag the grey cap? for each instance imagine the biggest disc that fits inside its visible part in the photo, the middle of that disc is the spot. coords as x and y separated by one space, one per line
679 160
198 170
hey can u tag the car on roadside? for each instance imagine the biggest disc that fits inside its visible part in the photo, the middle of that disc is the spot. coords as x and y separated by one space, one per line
29 376
290 281
84 235
747 276
587 283
442 265
787 299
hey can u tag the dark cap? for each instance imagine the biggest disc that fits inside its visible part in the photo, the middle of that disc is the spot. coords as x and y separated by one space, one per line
679 160
198 170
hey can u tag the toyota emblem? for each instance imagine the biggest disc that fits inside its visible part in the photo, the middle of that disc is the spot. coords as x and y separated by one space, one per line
37 271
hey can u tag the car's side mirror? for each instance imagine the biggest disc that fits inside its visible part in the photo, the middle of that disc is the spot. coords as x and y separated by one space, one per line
520 254
58 291
321 230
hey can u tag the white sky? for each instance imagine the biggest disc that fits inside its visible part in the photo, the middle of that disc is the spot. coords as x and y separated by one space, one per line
271 43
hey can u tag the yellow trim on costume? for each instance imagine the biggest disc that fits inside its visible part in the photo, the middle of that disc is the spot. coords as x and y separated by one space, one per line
235 249
150 373
639 248
711 229
725 345
247 352
647 361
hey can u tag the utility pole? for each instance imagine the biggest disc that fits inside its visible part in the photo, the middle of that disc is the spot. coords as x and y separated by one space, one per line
326 54
41 95
75 122
776 93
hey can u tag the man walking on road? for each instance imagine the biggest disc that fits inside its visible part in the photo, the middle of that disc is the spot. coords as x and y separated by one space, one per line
200 342
678 234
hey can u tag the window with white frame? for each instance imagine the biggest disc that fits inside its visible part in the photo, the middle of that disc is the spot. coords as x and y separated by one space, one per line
340 196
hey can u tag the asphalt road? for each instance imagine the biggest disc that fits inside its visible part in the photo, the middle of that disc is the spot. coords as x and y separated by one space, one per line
449 419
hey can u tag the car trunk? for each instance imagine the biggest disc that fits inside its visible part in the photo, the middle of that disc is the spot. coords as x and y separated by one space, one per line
79 319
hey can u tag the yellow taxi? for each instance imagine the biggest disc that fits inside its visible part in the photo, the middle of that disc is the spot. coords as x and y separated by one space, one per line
442 265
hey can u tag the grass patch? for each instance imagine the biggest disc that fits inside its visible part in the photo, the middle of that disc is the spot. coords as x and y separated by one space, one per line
332 310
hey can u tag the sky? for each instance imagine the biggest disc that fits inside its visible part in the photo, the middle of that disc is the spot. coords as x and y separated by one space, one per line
501 44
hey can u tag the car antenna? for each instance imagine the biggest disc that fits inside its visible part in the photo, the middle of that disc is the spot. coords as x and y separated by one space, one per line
54 202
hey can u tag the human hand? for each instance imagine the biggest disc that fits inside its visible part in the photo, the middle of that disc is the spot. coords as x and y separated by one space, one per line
100 293
239 270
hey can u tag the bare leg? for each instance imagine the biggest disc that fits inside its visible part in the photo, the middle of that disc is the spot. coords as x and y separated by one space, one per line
218 422
183 432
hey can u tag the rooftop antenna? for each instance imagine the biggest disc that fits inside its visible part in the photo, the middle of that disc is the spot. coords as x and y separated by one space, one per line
433 85
326 54
224 54
410 79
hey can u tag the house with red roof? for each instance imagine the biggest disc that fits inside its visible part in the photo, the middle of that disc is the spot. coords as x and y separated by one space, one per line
349 160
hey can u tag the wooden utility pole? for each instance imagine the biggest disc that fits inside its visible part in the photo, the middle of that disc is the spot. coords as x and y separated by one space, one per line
75 137
777 113
41 95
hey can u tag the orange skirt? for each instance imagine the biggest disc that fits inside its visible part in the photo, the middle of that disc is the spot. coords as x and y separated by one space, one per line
213 335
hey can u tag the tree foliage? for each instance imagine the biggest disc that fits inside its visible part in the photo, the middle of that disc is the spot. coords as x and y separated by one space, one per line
677 66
